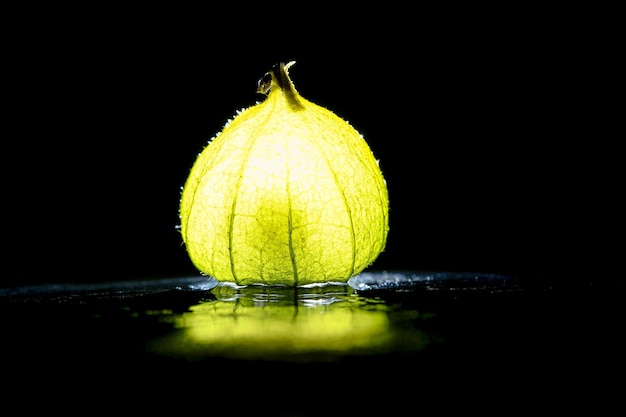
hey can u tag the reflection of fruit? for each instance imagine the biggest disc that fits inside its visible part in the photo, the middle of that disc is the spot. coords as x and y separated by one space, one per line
259 322
287 193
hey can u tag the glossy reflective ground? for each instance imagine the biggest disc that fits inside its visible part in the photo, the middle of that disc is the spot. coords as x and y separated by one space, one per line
387 340
315 323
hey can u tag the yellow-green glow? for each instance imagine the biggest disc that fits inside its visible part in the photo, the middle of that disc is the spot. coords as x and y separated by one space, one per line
276 323
287 193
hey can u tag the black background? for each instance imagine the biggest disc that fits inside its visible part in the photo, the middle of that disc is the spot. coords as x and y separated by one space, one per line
472 115
490 131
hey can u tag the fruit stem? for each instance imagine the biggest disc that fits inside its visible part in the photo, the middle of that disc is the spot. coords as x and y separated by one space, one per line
278 76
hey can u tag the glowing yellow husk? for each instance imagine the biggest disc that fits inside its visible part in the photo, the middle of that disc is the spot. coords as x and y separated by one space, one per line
287 193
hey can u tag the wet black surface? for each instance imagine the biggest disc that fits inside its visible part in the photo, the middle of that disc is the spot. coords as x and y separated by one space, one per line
491 343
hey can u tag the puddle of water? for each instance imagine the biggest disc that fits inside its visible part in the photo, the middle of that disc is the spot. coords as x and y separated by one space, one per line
315 323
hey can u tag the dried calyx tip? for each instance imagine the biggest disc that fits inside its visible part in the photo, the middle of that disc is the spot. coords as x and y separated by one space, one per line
279 73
